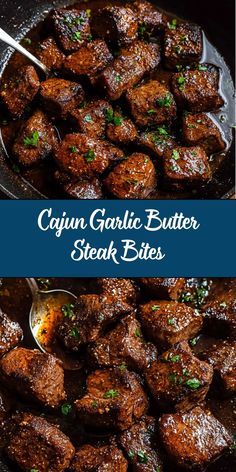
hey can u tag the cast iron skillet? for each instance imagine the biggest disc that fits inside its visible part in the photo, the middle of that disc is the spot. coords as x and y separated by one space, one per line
216 18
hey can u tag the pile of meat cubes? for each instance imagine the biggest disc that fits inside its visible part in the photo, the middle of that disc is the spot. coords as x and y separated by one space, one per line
121 121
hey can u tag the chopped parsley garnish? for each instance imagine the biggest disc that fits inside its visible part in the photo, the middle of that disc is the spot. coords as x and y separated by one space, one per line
194 154
90 155
174 167
89 37
141 30
142 457
200 67
191 125
181 81
123 366
175 358
172 25
68 310
88 119
76 36
131 454
165 102
74 333
175 155
151 111
66 409
178 67
223 304
146 160
162 131
111 394
132 181
117 120
193 384
172 378
184 38
199 121
27 41
137 333
193 341
32 140
177 49
109 114
73 149
34 470
155 307
186 372
118 78
171 321
94 404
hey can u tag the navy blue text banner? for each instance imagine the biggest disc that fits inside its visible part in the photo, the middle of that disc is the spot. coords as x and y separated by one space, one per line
117 238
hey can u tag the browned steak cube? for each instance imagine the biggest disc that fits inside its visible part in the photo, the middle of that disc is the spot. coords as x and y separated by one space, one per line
60 96
194 439
151 104
115 399
185 166
129 67
115 24
39 445
164 287
197 90
100 459
71 28
156 142
223 360
82 156
50 55
140 445
133 178
178 379
34 375
220 315
89 60
150 19
125 289
10 334
182 44
169 322
123 346
200 130
36 140
120 130
86 321
91 119
84 190
19 92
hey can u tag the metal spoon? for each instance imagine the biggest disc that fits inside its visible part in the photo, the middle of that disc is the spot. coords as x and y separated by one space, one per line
11 42
45 314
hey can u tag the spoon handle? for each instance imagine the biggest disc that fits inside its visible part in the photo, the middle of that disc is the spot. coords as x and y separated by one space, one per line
33 286
11 42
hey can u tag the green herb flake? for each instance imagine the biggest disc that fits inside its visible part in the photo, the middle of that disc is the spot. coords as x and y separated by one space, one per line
151 112
89 37
178 67
73 149
131 454
111 394
172 378
88 119
186 372
34 470
90 155
175 155
141 30
88 12
171 321
175 358
68 310
165 102
155 307
117 120
174 167
191 126
27 41
94 404
203 68
109 114
44 283
193 383
193 341
223 305
118 78
184 38
180 81
74 333
123 366
66 409
76 36
142 457
162 131
194 153
172 25
32 141
199 121
137 333
146 160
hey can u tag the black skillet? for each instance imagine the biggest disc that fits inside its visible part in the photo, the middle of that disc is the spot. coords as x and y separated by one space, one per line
217 20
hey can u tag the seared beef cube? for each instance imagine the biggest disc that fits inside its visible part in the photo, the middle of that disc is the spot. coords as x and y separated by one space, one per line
186 166
71 28
80 155
34 375
178 379
156 142
194 439
19 92
140 445
120 130
39 445
197 90
129 67
115 24
91 315
91 119
200 130
50 55
220 315
123 346
167 288
223 360
115 400
150 19
182 44
10 334
84 190
89 61
36 140
169 322
60 96
5 403
133 178
151 104
123 289
101 459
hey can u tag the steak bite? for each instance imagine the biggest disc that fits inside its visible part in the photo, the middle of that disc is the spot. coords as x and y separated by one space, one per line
169 322
60 96
71 28
124 289
83 156
100 459
89 61
197 90
223 360
115 24
39 445
182 44
115 400
36 140
150 20
123 346
164 288
34 375
19 91
10 334
50 55
91 119
185 166
88 319
178 379
133 178
129 67
156 142
140 445
84 190
220 315
151 103
200 130
120 130
194 439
